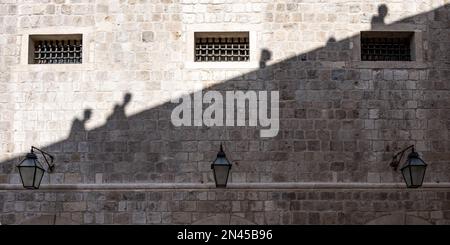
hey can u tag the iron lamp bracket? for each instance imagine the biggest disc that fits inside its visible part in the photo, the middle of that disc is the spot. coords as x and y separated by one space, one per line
50 164
398 157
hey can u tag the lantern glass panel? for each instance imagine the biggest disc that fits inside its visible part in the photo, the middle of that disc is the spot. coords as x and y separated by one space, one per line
27 175
31 171
413 175
417 174
221 174
407 175
38 177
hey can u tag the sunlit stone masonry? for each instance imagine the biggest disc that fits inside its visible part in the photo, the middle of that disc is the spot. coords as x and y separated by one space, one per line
96 84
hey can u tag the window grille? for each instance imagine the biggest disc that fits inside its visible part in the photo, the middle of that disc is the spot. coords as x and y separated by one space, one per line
58 51
222 49
55 49
385 48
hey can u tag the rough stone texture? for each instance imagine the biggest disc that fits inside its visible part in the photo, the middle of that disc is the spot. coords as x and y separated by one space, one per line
341 119
320 206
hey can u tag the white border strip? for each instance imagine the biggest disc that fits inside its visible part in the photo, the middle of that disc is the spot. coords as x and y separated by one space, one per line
171 186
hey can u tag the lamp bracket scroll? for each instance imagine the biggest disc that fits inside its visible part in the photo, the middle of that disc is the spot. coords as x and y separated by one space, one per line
51 165
395 162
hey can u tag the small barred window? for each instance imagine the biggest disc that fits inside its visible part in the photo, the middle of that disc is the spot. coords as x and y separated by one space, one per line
57 49
386 46
222 46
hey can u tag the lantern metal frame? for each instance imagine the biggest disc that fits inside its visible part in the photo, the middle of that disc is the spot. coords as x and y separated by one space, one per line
33 156
221 154
395 162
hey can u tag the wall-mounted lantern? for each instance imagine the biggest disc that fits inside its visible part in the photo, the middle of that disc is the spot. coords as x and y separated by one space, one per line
31 170
413 170
221 169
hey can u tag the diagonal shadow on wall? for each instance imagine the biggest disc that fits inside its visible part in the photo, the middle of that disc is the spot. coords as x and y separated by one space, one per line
340 121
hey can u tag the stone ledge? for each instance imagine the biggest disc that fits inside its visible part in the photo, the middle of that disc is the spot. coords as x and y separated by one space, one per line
195 186
388 65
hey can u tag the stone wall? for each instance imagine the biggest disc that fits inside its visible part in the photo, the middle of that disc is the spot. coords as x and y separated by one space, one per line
340 119
256 206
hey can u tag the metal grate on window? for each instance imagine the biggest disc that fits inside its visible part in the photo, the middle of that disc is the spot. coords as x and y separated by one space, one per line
217 49
386 49
58 52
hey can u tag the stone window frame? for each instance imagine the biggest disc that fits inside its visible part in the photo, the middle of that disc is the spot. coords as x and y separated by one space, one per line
253 62
214 35
87 49
417 49
33 38
402 35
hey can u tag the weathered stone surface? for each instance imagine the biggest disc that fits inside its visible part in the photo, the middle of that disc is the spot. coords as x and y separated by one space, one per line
108 119
319 206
